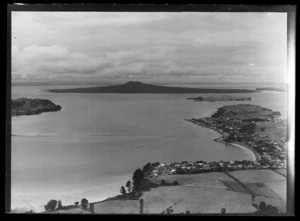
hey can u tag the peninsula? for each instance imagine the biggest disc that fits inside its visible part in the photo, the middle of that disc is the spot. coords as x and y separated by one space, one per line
25 106
251 126
220 98
138 87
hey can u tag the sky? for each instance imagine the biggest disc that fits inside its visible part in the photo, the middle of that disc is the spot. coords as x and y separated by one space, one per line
178 47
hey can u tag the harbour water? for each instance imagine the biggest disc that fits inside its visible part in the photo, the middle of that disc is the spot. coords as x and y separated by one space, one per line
92 146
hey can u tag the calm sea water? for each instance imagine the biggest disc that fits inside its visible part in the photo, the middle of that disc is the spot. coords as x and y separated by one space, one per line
91 147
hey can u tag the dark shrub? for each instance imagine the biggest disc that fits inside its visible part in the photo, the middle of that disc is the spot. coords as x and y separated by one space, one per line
175 183
84 203
262 206
50 206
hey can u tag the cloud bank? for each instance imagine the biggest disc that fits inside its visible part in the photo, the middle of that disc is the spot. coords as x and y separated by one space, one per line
181 47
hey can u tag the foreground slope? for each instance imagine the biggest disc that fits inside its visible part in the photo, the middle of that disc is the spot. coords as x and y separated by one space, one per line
207 193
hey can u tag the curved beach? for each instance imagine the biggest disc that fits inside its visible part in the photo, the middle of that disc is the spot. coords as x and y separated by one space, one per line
218 139
254 154
245 148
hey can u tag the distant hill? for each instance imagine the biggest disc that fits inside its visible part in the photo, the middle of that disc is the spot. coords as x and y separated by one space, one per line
138 87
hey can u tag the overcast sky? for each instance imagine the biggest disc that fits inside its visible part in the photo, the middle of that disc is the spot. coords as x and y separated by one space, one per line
150 47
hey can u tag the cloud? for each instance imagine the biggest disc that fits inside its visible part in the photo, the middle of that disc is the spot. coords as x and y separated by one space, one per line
186 45
44 61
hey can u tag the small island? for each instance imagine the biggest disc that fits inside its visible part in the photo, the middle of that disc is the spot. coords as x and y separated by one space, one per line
220 98
279 89
25 106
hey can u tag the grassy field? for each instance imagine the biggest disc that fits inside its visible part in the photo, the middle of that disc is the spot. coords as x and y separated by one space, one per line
71 211
257 176
117 207
205 193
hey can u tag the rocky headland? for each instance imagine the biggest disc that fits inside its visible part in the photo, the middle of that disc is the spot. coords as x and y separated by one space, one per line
25 106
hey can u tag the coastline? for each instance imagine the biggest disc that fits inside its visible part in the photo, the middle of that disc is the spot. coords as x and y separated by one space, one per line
255 155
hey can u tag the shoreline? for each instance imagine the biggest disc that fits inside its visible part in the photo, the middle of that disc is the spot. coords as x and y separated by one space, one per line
255 155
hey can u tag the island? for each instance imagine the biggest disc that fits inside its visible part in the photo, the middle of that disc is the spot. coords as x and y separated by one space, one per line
25 106
279 89
139 87
220 98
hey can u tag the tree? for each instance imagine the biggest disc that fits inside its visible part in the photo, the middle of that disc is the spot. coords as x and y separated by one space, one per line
262 206
76 203
59 206
123 191
146 167
137 178
50 206
84 203
128 185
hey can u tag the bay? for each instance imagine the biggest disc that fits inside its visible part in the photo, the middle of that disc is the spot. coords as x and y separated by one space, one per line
92 146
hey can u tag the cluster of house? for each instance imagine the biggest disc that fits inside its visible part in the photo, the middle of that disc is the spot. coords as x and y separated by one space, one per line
269 151
203 167
224 126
